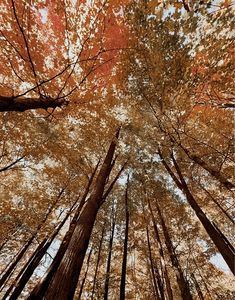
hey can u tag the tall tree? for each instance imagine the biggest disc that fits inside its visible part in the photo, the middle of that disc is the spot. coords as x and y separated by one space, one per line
125 247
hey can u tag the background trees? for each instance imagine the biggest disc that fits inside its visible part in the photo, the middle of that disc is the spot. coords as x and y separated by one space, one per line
165 80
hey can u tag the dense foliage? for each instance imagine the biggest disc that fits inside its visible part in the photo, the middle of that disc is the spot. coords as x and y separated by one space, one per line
116 149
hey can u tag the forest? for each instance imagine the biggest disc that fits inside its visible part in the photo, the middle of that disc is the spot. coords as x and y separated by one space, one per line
117 149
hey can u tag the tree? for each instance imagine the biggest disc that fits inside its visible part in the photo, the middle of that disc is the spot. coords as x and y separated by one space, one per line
71 73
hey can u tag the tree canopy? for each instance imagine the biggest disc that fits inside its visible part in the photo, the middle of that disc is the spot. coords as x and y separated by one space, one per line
117 149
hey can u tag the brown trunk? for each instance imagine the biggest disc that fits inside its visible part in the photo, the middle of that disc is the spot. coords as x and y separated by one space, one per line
41 288
198 289
124 260
161 253
218 204
108 267
220 241
31 266
98 261
182 282
64 282
85 275
22 104
155 285
208 293
216 174
22 252
109 189
26 272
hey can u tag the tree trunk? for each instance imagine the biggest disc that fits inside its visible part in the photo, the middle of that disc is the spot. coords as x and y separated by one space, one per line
214 173
220 241
198 289
161 253
64 282
217 203
182 282
155 285
22 104
124 260
98 261
26 272
41 288
85 275
108 267
23 250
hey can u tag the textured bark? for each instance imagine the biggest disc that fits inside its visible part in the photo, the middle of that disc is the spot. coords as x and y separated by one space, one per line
124 260
182 282
64 282
220 241
22 104
41 288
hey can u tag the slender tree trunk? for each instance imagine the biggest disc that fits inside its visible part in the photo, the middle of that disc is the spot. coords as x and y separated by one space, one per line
214 173
85 275
64 282
208 293
23 250
124 260
217 203
161 253
182 282
198 289
220 241
31 266
98 261
108 267
26 272
155 285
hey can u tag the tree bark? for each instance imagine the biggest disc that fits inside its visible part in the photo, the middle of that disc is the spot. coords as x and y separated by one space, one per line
214 173
161 253
21 104
33 262
182 282
64 282
41 288
124 260
108 267
22 252
220 241
98 261
85 275
155 285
